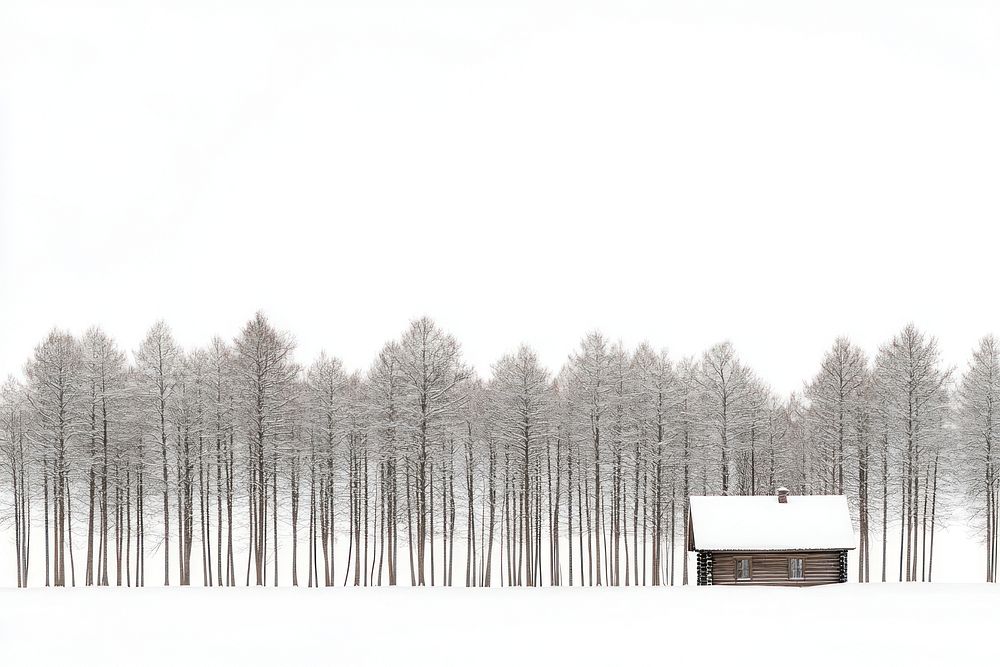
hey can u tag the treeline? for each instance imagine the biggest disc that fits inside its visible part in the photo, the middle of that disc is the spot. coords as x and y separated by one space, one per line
227 462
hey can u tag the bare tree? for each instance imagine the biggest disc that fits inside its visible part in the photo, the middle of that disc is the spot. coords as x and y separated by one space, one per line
689 431
913 387
384 400
978 420
839 428
15 468
265 377
586 381
157 367
103 375
219 406
654 414
55 394
435 389
726 386
522 400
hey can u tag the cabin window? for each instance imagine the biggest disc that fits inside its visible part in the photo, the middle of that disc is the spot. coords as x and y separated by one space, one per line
743 569
795 568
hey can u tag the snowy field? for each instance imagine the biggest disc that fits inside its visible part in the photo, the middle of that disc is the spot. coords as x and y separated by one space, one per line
886 624
948 623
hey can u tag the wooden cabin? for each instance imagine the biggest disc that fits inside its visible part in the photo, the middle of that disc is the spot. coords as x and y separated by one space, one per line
778 540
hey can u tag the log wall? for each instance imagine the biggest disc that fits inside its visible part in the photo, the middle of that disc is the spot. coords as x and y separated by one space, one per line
770 568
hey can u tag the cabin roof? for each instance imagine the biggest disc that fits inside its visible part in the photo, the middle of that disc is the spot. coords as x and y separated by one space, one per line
761 523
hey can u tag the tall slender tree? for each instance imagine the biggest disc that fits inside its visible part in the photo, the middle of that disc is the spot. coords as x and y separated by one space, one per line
56 395
978 420
157 366
15 469
264 375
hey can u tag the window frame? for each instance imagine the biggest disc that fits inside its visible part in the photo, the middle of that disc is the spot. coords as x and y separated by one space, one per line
802 568
749 562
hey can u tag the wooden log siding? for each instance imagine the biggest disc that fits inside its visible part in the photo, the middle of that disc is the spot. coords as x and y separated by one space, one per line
771 568
704 568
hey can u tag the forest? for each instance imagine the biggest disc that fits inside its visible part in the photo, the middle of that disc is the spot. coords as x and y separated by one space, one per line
232 464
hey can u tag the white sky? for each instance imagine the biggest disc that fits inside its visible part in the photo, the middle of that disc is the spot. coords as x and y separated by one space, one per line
775 173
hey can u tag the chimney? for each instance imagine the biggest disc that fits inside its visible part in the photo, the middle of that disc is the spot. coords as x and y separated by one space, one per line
782 495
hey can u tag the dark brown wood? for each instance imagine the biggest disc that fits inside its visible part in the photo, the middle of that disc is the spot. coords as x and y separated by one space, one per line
771 568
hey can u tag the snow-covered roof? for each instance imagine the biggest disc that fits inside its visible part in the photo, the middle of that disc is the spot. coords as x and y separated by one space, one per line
751 523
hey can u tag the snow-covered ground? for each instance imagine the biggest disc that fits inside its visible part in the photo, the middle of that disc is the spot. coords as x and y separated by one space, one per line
851 624
886 624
